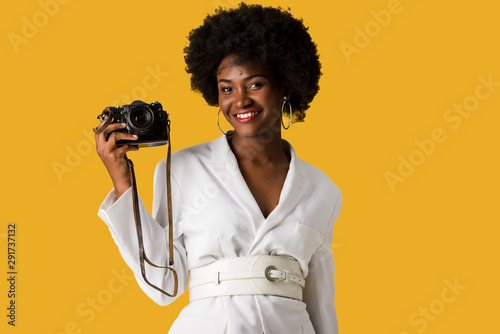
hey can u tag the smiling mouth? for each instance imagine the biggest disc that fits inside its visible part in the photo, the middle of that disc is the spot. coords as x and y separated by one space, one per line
246 115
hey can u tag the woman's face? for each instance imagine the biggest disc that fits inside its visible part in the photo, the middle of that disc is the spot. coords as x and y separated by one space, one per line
250 97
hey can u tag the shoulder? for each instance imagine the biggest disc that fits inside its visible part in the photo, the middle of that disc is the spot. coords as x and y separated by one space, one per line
323 198
322 187
316 175
319 181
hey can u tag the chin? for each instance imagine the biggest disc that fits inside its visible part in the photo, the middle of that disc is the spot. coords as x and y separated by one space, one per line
253 133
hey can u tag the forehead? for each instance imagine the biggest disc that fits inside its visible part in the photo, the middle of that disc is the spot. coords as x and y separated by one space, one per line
233 66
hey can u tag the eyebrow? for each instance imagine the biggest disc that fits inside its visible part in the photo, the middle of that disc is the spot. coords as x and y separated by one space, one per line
246 79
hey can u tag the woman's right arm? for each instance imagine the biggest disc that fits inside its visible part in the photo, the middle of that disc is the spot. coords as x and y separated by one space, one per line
117 213
113 157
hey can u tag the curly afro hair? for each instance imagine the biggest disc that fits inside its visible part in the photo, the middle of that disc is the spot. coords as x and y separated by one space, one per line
268 36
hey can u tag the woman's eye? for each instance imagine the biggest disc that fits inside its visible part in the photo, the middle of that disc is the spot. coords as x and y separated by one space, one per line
225 89
255 85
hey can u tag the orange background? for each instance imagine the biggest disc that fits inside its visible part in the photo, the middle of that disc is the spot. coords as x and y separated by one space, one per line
393 71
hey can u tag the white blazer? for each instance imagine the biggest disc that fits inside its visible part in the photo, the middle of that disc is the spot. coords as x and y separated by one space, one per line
215 216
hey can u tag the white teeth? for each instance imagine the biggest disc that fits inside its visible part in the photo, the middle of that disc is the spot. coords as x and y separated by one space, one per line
248 114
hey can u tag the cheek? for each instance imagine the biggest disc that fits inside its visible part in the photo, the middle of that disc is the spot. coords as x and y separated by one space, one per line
273 96
225 106
223 103
274 103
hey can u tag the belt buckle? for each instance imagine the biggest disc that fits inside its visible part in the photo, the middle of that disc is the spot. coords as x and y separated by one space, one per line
267 273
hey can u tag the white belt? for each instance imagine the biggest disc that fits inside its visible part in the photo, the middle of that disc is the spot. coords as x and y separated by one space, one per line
249 275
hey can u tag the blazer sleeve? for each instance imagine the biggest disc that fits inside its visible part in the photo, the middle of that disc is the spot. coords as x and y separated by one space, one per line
119 216
319 293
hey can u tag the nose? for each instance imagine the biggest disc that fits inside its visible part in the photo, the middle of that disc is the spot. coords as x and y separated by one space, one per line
241 99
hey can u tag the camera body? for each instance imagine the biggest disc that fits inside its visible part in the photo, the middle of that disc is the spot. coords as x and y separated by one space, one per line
148 121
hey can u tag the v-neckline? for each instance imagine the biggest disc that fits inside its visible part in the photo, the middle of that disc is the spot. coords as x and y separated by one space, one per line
225 169
264 217
286 146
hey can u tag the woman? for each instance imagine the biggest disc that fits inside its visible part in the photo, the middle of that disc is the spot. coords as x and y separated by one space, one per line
245 201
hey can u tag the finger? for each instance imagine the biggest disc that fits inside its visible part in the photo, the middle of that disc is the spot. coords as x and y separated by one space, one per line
102 138
113 127
103 121
116 136
96 130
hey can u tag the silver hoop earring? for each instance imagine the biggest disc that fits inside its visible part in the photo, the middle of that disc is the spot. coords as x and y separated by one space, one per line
290 110
224 133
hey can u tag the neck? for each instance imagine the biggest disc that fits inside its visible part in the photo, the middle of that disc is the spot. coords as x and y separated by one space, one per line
265 148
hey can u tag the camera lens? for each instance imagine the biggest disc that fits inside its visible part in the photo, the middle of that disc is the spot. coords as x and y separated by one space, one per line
141 119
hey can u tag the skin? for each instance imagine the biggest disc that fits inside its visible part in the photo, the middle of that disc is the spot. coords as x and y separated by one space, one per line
113 157
257 144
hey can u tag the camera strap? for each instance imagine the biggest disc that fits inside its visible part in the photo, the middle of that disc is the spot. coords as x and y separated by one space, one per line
142 253
137 215
105 115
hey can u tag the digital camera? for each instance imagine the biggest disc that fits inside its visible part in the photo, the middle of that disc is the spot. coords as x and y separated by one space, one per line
148 121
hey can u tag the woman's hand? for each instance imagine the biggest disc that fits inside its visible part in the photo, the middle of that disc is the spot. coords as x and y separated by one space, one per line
113 157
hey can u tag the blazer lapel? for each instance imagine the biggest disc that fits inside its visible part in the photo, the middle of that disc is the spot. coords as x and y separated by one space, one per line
225 168
294 189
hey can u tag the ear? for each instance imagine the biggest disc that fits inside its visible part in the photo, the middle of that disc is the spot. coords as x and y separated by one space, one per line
286 90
